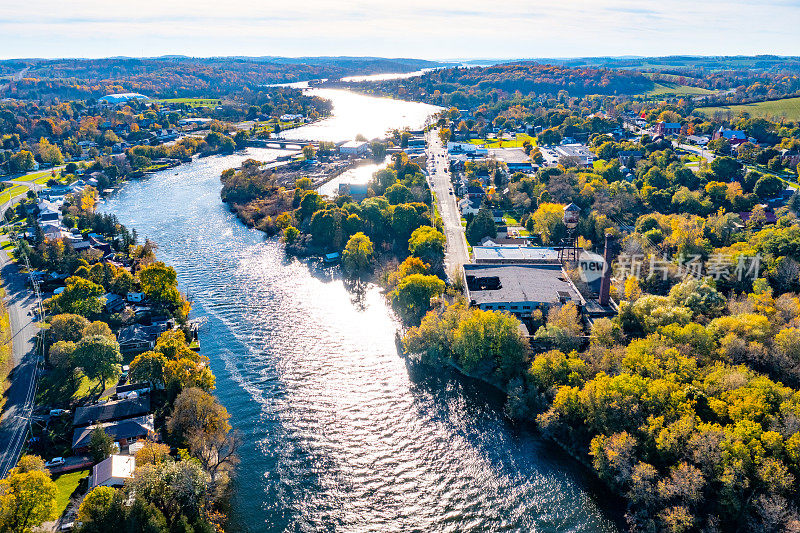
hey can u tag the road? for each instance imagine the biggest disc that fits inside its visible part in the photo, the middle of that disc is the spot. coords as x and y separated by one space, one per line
708 155
439 179
20 397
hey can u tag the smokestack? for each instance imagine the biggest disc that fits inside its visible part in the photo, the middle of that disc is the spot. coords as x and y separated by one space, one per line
605 283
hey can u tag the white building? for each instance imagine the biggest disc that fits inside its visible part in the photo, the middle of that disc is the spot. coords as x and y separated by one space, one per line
466 148
578 152
354 148
114 471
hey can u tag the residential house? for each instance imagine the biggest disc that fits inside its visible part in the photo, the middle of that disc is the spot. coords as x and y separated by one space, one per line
111 411
790 158
469 206
114 302
123 432
135 297
667 128
629 158
113 471
136 338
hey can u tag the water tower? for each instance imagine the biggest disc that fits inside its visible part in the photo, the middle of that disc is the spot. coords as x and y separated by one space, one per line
569 249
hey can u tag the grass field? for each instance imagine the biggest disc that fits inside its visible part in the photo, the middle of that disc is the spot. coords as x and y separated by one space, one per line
193 102
6 362
46 174
66 484
788 108
12 192
494 143
665 88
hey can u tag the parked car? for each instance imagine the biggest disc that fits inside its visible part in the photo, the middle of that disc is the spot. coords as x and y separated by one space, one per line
57 412
55 461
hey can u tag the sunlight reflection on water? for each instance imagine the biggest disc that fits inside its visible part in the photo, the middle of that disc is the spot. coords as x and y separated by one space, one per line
339 431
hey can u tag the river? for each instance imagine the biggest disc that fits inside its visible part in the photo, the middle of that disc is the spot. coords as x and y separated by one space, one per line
339 431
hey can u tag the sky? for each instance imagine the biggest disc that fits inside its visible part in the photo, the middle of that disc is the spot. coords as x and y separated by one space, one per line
429 29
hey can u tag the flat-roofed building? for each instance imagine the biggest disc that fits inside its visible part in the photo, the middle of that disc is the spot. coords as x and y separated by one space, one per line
519 289
578 152
515 254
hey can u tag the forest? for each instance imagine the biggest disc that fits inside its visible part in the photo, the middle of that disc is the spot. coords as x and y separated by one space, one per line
179 76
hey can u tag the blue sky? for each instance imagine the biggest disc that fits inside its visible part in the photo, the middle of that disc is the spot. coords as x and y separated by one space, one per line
443 29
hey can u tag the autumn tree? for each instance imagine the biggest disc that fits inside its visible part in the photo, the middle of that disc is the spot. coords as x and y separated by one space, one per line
357 254
27 496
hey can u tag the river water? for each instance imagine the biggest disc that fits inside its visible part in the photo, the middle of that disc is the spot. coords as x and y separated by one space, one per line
339 431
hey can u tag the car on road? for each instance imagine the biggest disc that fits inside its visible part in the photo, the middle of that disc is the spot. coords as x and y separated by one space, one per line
55 461
57 412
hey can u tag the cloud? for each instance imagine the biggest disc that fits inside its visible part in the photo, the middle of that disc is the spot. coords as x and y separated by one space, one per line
421 28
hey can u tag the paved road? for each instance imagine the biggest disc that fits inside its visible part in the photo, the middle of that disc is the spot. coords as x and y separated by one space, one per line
21 304
708 155
457 252
20 399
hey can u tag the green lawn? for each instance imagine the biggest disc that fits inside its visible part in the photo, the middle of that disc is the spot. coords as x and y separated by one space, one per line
666 88
788 108
13 192
46 174
58 391
66 484
494 143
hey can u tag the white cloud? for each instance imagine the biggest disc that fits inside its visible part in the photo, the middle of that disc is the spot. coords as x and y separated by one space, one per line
419 28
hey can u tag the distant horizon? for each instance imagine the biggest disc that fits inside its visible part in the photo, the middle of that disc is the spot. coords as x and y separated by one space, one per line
299 58
414 28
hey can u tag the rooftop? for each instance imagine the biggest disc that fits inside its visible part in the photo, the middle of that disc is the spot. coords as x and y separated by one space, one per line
113 467
538 284
123 429
527 254
104 412
510 155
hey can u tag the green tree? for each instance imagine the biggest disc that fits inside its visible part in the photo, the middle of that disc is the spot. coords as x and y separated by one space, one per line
481 226
159 283
99 357
412 296
27 497
101 445
60 355
290 234
490 336
175 487
80 297
66 327
148 367
357 254
309 152
427 243
768 186
405 219
101 511
22 161
398 194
